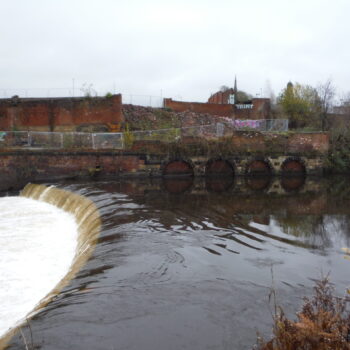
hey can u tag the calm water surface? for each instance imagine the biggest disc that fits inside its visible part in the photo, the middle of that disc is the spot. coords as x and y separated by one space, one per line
183 264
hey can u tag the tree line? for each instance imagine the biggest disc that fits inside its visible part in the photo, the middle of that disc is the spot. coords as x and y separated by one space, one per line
306 106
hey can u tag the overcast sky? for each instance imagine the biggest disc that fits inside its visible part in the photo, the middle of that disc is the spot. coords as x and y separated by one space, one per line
180 49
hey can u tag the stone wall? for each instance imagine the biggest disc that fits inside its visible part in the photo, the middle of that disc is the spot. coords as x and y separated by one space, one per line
62 114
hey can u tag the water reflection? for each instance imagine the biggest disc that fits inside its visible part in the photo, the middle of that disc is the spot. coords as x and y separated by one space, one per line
177 186
294 183
186 263
220 184
258 183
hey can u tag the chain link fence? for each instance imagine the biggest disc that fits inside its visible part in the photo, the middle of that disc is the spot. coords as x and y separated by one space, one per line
107 140
62 92
264 125
143 100
80 140
60 140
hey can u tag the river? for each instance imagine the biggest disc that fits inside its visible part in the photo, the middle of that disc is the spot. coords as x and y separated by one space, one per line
189 264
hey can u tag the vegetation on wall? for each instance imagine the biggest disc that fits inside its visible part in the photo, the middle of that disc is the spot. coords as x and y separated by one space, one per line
338 160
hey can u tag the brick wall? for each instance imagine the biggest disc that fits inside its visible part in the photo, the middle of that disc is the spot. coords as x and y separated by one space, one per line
22 166
62 114
298 143
306 142
223 110
30 166
221 97
261 108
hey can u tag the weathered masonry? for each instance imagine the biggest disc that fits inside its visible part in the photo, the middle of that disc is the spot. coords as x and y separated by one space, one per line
257 108
94 114
243 154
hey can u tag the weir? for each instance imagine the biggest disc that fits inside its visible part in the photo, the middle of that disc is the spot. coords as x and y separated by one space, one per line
88 222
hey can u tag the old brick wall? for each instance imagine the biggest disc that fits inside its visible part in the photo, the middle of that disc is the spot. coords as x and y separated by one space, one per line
223 110
150 158
221 97
261 108
62 114
30 166
248 142
308 142
281 143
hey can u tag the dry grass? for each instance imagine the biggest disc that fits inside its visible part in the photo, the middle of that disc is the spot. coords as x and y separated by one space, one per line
322 324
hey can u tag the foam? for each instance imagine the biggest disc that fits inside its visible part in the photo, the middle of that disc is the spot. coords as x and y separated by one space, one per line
38 243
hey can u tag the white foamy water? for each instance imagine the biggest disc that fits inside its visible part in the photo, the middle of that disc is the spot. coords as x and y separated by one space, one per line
37 246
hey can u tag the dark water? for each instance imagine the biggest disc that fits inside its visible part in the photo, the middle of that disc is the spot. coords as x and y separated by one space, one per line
189 265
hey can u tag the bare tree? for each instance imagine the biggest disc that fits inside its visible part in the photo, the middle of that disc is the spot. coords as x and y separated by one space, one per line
224 88
344 107
326 93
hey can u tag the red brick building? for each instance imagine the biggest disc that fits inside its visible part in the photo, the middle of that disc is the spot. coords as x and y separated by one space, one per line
225 103
223 97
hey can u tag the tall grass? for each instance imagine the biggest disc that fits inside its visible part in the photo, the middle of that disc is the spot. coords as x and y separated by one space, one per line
322 324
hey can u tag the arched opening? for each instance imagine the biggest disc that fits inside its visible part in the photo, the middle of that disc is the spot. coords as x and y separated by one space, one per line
294 167
258 167
178 168
219 167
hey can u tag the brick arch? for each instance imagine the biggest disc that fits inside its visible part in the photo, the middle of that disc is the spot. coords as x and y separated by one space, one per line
178 167
259 166
219 166
293 166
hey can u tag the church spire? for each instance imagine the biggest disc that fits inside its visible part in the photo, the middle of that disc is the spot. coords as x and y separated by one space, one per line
235 86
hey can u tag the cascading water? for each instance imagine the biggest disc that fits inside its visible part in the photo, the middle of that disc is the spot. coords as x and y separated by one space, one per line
46 236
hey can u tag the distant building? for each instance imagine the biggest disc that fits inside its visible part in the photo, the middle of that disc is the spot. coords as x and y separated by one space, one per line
226 96
343 109
224 103
255 108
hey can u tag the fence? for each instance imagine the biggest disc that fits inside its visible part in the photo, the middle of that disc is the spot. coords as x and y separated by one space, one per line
79 140
143 100
60 140
259 125
134 99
